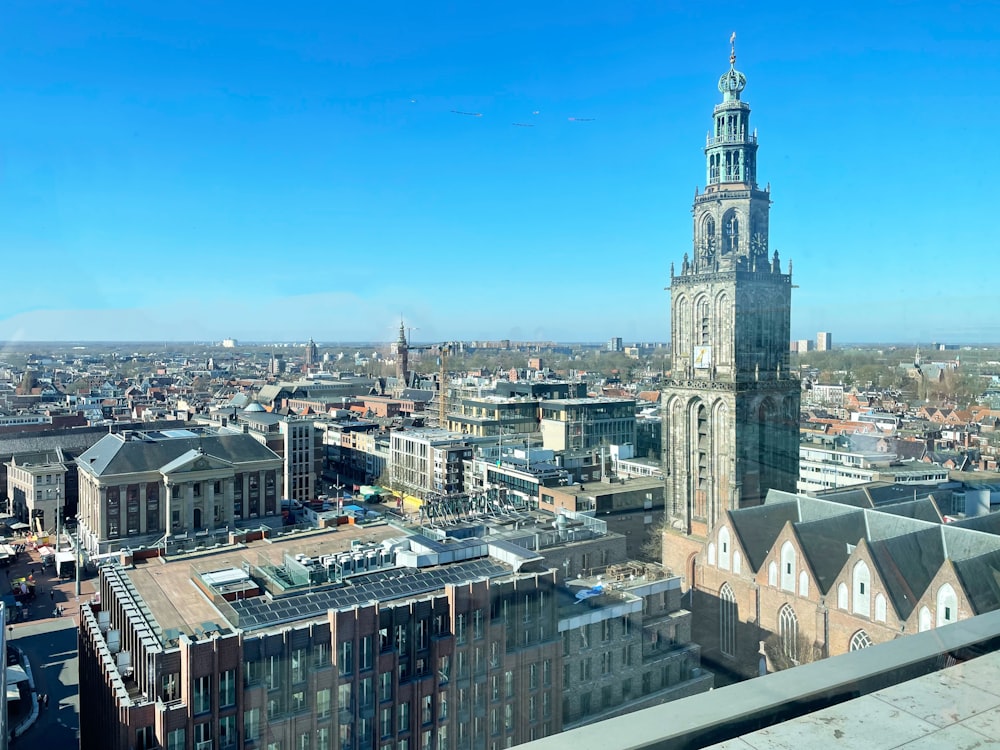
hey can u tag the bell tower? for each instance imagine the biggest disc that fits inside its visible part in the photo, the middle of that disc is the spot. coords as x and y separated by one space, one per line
731 406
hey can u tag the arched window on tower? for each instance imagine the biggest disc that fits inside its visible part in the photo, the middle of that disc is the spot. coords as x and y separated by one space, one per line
731 228
727 620
788 632
709 234
704 333
924 620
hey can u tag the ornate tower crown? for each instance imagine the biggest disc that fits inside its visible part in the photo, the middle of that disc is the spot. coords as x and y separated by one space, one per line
732 82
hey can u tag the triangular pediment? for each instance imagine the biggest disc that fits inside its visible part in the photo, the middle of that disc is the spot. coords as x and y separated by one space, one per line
194 461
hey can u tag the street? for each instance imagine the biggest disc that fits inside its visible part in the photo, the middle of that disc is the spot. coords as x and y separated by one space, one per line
51 646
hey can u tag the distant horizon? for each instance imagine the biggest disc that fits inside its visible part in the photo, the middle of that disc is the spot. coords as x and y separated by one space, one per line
191 171
297 343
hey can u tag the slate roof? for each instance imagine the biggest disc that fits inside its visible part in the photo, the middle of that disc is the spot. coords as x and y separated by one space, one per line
908 564
758 527
990 523
828 542
980 577
113 454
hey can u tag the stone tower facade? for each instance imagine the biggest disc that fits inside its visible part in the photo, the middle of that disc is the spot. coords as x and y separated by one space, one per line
731 407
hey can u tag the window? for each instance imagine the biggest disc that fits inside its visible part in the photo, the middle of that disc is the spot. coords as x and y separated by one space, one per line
385 722
323 703
787 567
385 686
860 640
788 632
426 710
880 608
227 732
606 663
365 695
304 741
861 604
344 697
444 668
227 688
323 738
508 681
532 676
460 629
547 673
345 657
175 739
202 694
924 622
365 650
727 620
724 548
842 596
947 605
298 665
203 736
442 705
272 672
251 724
803 583
477 624
403 716
772 573
605 630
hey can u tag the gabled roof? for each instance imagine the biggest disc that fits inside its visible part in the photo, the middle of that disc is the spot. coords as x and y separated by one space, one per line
980 577
113 454
907 564
828 542
758 527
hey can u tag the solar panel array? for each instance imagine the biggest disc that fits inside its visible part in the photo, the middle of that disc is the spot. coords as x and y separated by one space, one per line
382 585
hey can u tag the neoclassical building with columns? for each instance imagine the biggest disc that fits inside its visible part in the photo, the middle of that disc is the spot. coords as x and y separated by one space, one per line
137 487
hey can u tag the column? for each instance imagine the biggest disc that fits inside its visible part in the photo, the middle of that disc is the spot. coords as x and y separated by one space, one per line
165 505
210 504
188 511
229 500
143 528
100 521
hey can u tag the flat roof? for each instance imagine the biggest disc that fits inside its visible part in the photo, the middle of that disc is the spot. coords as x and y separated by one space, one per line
163 585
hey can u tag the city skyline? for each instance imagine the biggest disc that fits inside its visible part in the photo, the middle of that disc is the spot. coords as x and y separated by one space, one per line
198 175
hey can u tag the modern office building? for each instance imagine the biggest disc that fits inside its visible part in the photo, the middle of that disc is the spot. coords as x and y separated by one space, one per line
366 639
584 424
731 406
824 341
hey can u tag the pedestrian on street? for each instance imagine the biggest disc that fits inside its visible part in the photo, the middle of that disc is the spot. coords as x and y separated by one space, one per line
52 594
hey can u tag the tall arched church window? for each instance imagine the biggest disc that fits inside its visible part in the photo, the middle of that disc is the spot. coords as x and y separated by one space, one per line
711 553
788 632
727 620
860 640
947 605
842 596
788 567
724 551
924 620
704 333
737 562
803 583
772 574
861 583
880 608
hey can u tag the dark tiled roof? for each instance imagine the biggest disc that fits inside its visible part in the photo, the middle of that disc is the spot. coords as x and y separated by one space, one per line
924 509
825 544
980 576
112 455
758 527
907 564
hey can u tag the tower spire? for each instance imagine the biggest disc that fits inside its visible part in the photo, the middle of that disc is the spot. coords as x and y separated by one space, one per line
732 50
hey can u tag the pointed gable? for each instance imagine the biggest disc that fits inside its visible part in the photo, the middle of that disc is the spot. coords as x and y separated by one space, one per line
907 564
827 543
758 527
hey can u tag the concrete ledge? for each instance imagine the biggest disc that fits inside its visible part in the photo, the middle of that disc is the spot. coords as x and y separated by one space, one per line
25 724
745 707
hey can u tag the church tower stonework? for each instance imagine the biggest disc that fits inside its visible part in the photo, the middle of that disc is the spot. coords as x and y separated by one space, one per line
731 406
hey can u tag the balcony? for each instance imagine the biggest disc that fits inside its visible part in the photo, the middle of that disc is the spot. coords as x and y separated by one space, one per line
721 140
937 687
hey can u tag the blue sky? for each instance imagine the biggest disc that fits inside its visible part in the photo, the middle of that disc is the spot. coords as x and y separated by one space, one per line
195 171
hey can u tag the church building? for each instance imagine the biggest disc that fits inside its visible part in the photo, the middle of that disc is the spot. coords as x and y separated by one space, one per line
731 406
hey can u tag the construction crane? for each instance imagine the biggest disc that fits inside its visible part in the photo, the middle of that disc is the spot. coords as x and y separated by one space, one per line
442 404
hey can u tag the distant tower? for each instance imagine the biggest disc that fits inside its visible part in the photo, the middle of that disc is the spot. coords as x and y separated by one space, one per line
312 353
402 355
824 341
731 409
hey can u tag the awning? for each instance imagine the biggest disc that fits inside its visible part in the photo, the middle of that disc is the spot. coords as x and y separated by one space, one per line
45 551
19 525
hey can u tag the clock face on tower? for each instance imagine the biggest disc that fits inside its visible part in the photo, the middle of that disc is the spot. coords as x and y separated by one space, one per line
758 243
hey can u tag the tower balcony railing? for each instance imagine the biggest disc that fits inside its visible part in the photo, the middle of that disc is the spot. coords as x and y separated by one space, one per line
720 140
